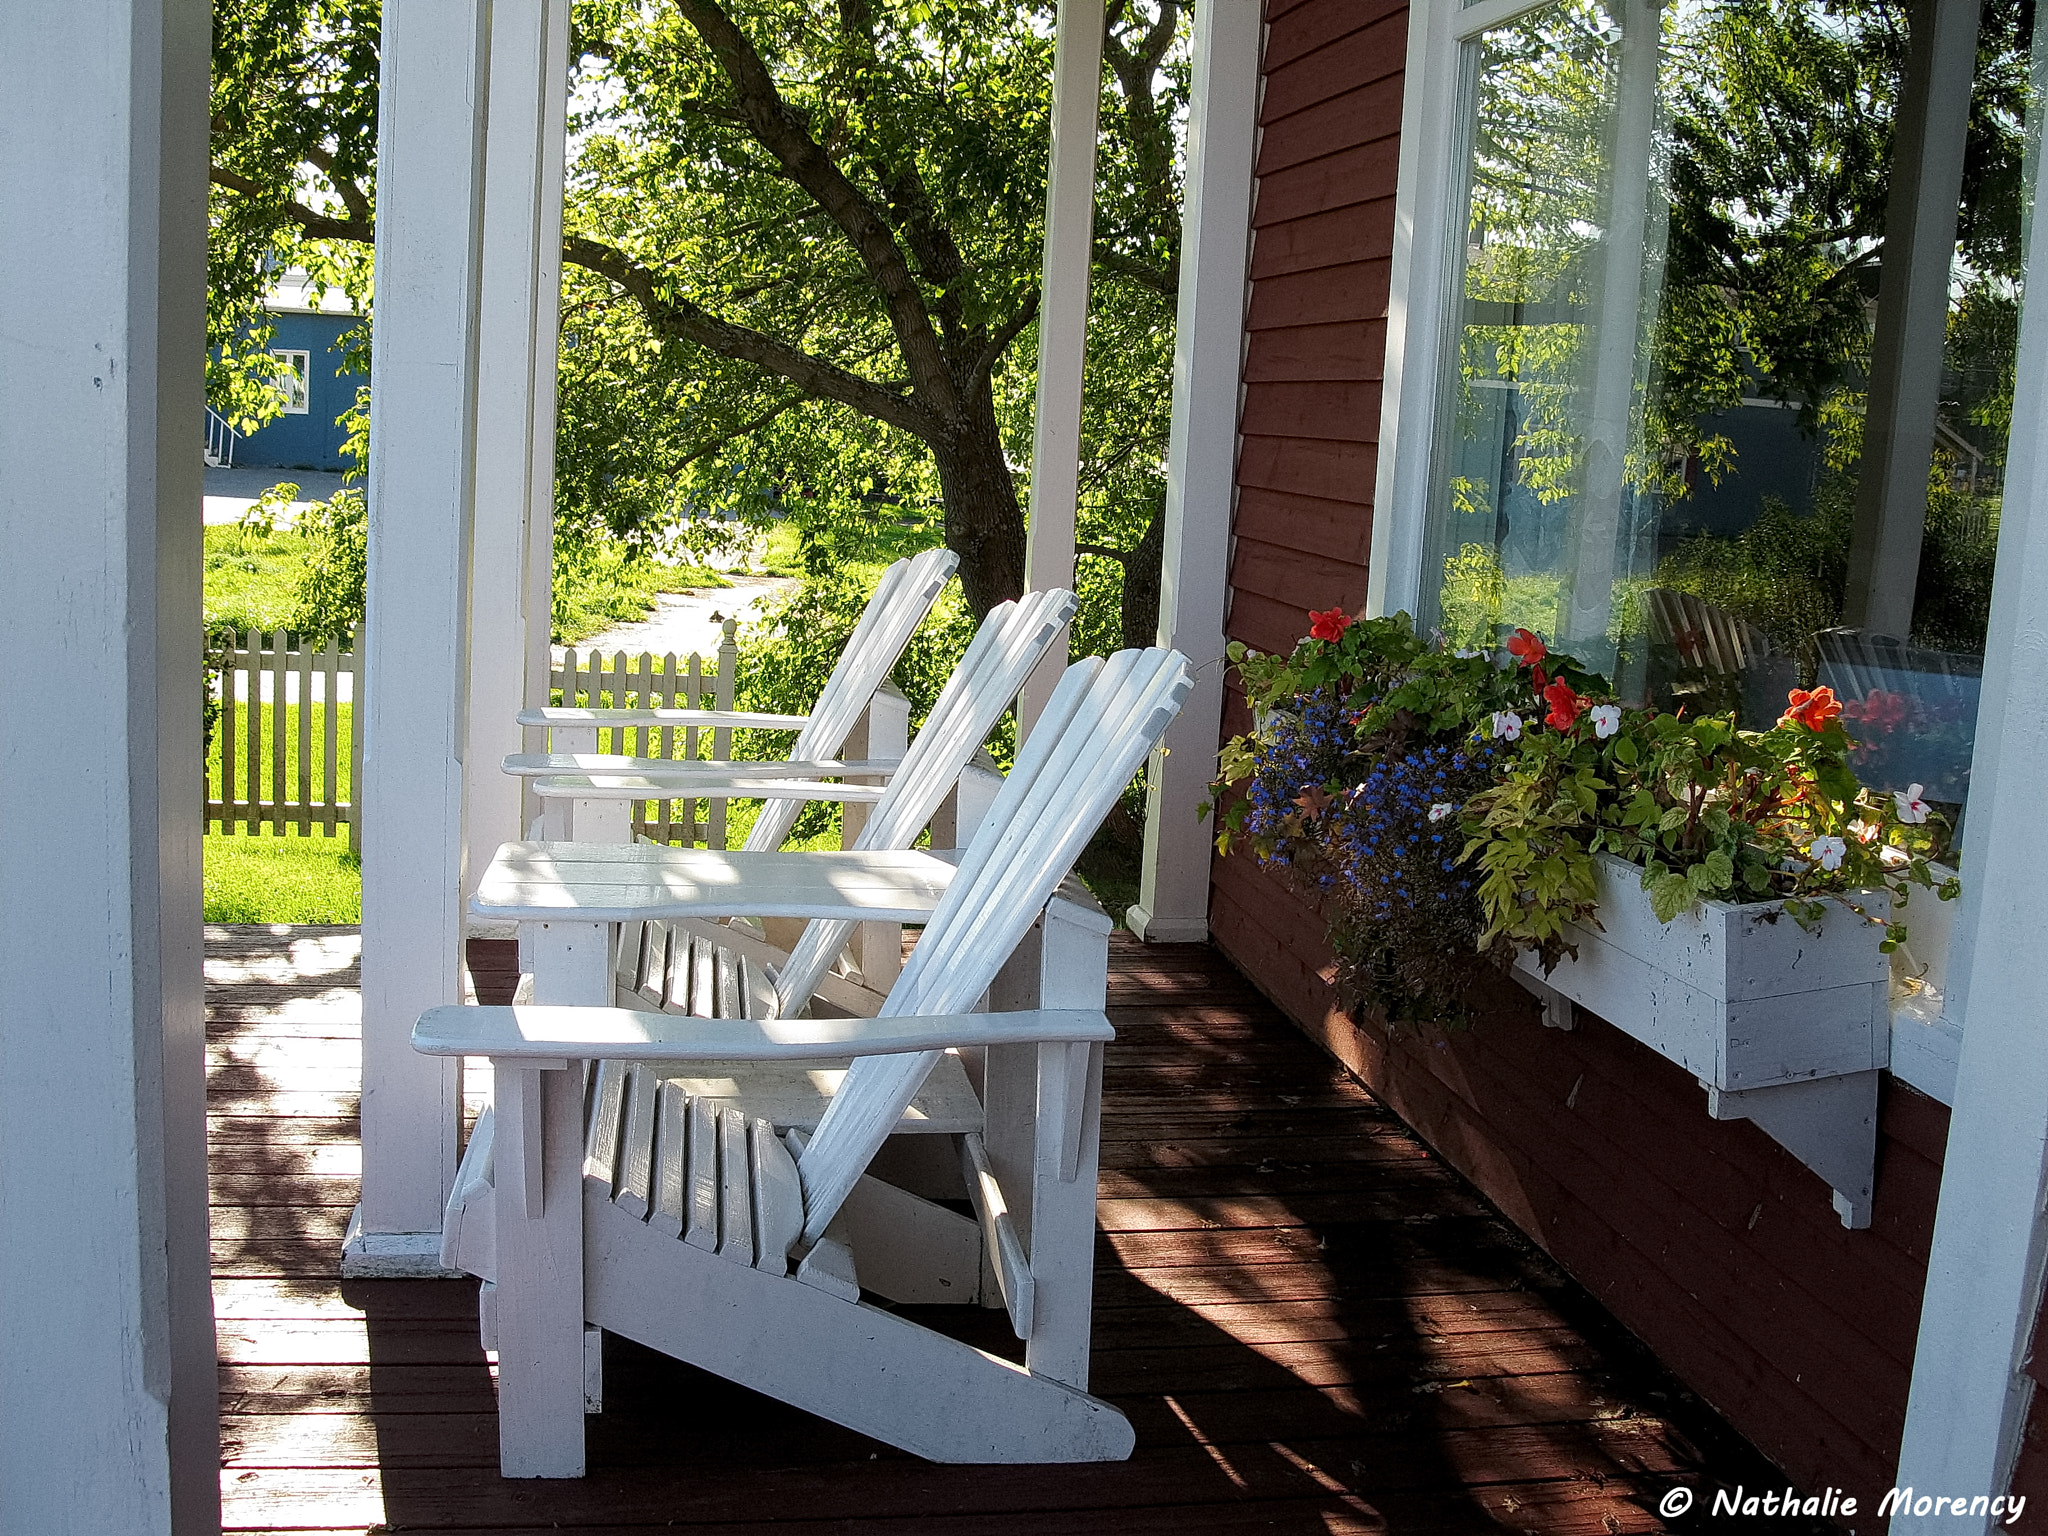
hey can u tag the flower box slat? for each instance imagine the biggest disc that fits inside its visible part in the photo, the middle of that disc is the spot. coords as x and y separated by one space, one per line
1752 1005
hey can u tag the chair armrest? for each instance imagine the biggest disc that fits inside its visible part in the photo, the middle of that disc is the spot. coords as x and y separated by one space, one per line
639 786
560 714
626 882
696 770
622 1034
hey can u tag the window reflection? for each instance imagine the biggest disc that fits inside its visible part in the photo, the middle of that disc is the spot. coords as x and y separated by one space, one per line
1672 334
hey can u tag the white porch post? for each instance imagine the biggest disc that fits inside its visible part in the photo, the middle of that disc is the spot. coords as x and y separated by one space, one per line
1201 461
1930 134
1063 321
518 320
430 143
108 1416
1969 1396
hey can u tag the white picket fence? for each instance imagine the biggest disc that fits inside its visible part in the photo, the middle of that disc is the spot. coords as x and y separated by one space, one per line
594 681
283 735
284 732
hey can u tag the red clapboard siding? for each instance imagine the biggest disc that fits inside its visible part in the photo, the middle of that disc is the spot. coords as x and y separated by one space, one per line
1300 245
1345 412
1717 1247
1350 349
1286 574
1356 175
1308 467
1264 625
1302 29
1357 291
1359 116
1359 58
1341 530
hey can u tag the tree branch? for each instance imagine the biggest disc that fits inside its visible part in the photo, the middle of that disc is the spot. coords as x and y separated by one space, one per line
745 429
1164 280
782 132
674 316
1122 557
352 197
1004 334
318 226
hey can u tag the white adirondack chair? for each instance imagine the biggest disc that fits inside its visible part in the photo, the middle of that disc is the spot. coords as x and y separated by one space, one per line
901 599
1015 634
651 955
707 1237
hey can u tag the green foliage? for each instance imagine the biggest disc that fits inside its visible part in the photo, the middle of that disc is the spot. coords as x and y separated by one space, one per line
332 582
676 424
733 347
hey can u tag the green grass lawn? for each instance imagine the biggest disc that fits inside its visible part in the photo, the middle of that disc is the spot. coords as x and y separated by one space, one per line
289 879
251 577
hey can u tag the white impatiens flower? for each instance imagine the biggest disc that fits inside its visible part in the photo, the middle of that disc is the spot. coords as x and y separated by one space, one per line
1606 720
1440 810
1912 809
1506 725
1827 851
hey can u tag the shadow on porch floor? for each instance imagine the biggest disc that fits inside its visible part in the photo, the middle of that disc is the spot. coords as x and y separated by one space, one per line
1314 1325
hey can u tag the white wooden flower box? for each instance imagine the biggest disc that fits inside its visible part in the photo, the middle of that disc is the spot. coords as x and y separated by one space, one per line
1781 1025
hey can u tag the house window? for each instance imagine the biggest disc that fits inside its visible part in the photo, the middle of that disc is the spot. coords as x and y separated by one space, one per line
294 373
1657 369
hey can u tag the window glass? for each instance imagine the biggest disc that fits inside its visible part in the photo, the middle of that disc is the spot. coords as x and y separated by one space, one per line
1661 354
293 374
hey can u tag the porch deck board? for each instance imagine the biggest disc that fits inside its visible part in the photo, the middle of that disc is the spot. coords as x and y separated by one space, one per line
1312 1323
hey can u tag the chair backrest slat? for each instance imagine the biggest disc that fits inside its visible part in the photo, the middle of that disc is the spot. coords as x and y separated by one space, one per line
1102 720
902 598
1004 651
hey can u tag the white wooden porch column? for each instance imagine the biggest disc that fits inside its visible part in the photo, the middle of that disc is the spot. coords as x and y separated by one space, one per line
430 140
1201 461
108 1416
1969 1396
518 323
1063 321
1931 128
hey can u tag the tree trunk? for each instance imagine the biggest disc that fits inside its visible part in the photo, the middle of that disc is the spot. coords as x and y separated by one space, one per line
984 523
1142 571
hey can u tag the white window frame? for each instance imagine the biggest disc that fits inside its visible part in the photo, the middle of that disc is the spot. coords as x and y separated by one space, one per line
1435 103
299 362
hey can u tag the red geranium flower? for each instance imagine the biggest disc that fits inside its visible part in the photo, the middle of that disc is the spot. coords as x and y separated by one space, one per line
1812 710
1881 711
1328 626
1565 706
1527 648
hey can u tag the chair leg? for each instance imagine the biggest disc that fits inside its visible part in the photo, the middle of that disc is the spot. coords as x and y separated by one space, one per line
538 1187
1066 1153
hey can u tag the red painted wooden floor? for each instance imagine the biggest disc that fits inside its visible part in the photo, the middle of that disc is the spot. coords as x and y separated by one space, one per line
1314 1325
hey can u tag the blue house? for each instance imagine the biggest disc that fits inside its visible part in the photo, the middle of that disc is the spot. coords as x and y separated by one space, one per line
307 331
